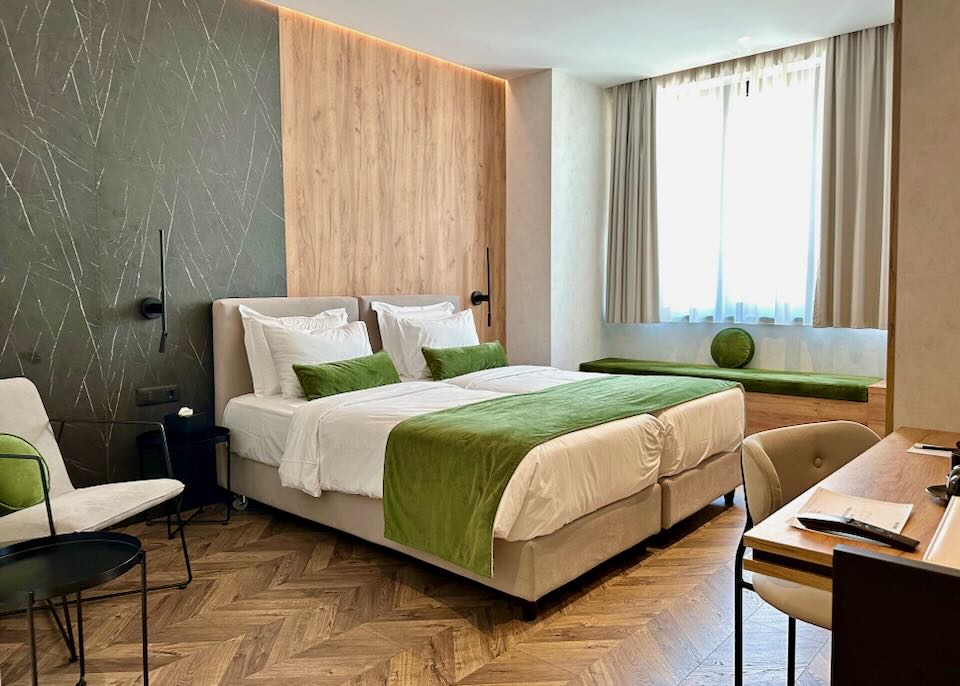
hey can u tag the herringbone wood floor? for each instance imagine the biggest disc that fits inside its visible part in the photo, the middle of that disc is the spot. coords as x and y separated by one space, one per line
277 600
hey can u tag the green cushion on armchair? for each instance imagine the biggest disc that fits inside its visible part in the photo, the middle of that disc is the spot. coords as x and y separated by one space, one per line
20 483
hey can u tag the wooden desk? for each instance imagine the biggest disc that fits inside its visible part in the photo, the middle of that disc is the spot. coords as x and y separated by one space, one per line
885 472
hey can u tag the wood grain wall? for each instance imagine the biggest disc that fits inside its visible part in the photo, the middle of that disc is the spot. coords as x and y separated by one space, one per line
394 169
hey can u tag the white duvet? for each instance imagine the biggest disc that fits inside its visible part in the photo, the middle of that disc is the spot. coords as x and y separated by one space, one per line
338 444
693 431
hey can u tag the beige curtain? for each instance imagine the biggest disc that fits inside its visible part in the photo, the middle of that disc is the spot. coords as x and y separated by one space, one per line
632 274
851 286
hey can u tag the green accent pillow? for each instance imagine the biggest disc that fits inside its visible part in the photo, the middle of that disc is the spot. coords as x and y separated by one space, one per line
331 378
446 363
20 483
732 348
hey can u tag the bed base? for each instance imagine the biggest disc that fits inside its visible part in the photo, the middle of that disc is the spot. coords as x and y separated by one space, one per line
527 570
692 490
524 569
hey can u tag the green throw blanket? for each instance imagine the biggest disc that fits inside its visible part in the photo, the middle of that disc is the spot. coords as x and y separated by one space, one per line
445 471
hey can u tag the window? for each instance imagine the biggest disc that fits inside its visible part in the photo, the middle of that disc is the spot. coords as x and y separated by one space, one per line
738 184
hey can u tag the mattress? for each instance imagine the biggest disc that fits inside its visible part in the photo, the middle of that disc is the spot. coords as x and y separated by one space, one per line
338 444
693 431
259 426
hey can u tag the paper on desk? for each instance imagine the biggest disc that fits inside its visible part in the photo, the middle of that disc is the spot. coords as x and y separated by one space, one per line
891 516
917 450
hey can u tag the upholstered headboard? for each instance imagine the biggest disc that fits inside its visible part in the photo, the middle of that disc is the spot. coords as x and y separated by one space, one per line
231 371
368 316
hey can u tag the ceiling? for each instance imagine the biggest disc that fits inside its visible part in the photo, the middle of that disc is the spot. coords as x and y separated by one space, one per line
604 41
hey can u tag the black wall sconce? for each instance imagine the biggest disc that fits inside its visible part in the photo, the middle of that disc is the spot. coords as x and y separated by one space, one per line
477 297
156 308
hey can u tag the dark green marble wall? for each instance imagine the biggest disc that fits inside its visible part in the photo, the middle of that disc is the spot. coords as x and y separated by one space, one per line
118 118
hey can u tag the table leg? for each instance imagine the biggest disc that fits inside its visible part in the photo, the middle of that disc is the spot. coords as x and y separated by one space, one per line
791 651
83 664
66 631
143 616
229 499
66 618
33 640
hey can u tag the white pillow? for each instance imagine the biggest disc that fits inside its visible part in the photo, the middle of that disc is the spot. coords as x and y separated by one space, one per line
265 380
454 331
389 333
290 347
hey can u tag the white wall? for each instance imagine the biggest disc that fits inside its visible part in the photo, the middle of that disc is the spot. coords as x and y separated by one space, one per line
556 213
926 379
528 218
578 220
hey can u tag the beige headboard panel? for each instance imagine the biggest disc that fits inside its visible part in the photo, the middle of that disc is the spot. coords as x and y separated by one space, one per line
368 316
231 371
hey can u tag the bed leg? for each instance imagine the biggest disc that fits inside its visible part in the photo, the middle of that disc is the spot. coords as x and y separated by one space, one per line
529 610
728 498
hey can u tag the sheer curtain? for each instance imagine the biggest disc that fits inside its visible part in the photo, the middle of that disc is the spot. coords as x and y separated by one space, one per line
737 176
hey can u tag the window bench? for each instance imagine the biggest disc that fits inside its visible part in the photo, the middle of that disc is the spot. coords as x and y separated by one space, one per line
778 398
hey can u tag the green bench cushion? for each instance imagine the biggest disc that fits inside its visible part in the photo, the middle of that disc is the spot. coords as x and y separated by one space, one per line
807 384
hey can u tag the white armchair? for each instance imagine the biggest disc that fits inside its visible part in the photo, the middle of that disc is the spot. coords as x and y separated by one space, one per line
68 509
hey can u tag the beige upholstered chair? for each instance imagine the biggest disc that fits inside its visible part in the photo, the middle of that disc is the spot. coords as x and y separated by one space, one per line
778 466
76 509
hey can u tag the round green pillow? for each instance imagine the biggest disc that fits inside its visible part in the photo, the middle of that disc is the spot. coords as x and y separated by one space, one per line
20 483
732 348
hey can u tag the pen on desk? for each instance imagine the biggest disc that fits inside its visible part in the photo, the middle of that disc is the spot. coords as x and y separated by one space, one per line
924 446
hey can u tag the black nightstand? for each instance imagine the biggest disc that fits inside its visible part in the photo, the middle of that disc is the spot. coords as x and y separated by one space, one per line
194 458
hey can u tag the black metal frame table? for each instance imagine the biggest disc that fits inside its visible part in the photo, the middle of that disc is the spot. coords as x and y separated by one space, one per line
214 435
57 566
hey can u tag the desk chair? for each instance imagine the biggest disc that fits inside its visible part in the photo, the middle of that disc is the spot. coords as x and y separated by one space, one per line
779 465
893 620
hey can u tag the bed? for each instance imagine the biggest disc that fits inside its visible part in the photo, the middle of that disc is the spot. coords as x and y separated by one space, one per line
537 546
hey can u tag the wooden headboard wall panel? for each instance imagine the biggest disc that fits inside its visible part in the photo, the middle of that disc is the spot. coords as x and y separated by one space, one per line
394 169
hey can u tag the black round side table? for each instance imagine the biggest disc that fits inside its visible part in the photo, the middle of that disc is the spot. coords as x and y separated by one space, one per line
68 564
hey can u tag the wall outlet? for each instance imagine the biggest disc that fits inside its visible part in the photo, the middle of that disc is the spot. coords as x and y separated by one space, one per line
157 395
